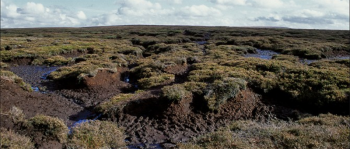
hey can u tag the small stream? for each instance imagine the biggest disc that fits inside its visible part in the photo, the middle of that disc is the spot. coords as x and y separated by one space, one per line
263 54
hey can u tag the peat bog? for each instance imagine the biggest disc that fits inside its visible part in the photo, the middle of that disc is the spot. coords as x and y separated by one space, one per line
174 87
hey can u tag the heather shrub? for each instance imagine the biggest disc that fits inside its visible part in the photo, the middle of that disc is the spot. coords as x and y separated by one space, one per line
174 92
219 91
12 140
50 127
332 132
96 134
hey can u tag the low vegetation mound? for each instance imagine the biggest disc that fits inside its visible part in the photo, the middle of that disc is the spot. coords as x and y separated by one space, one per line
10 76
12 140
323 131
96 134
50 128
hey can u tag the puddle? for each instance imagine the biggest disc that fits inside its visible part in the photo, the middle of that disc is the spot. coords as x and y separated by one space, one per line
127 80
201 42
339 58
263 54
83 120
151 146
267 54
35 89
308 61
34 75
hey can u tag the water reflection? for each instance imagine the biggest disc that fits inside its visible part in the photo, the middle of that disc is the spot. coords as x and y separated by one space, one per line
263 54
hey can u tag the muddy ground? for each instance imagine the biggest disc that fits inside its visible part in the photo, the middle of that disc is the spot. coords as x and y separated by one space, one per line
147 120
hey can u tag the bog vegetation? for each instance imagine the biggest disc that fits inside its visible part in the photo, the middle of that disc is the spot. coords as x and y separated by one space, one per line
201 62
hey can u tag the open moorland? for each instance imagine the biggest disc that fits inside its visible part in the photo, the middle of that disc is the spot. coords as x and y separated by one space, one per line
174 87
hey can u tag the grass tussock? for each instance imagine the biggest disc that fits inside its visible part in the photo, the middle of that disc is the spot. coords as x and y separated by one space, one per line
49 127
10 76
12 140
112 103
219 91
3 65
304 133
80 70
96 134
175 93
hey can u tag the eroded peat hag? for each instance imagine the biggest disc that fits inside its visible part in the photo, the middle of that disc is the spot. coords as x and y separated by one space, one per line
175 87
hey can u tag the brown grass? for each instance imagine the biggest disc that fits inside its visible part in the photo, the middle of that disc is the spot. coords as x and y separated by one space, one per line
305 133
12 140
96 134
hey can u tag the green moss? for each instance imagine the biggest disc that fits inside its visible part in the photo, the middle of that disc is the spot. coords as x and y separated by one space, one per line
96 134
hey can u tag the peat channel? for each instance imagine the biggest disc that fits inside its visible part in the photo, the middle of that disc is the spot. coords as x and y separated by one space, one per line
36 76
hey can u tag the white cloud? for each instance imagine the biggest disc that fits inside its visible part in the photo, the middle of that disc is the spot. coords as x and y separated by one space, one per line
174 1
268 3
229 2
35 8
138 7
81 15
200 11
337 6
10 11
37 15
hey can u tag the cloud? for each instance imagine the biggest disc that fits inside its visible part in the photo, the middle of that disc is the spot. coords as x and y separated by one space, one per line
308 20
338 6
138 7
174 1
268 3
37 15
107 19
308 16
199 11
81 15
270 19
229 2
33 8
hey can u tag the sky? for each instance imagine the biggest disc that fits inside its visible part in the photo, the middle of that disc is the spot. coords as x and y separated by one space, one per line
304 14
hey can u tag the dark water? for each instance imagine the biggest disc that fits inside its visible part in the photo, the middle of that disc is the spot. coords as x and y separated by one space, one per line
34 75
83 120
201 42
308 61
263 54
267 54
151 146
